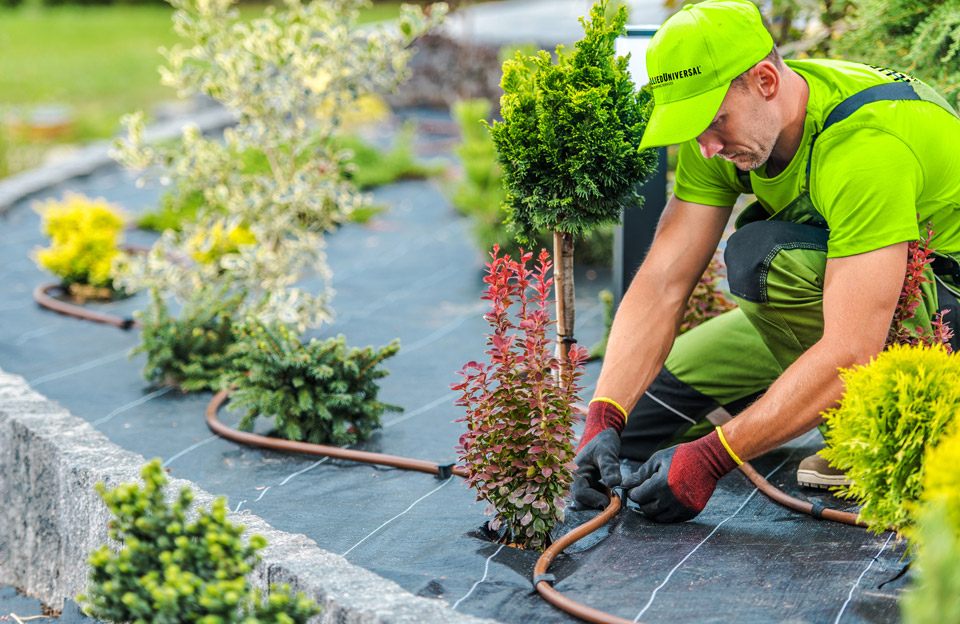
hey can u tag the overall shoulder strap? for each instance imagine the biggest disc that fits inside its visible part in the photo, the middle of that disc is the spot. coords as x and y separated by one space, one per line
891 91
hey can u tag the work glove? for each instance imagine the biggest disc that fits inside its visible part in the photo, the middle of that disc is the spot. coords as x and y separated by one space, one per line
598 456
675 483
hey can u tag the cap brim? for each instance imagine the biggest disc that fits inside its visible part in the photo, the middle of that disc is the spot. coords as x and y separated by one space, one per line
680 121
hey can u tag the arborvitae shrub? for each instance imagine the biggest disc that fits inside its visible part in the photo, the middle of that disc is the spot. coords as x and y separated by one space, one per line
570 132
934 597
480 194
892 411
171 570
84 235
320 392
941 480
518 448
194 351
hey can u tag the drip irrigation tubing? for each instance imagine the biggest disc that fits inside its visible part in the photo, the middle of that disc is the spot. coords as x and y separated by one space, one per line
541 578
41 294
278 444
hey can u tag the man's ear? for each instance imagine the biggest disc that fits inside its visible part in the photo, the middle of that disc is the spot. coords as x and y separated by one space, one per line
767 79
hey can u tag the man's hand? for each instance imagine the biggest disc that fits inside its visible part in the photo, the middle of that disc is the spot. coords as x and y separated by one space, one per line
598 456
675 483
598 464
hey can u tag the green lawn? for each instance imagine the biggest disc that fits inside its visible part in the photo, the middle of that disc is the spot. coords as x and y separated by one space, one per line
101 61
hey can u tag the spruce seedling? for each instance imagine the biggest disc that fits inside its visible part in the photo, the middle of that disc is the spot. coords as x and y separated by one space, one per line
195 351
320 392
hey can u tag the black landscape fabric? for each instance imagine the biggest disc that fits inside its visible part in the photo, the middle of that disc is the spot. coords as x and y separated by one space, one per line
413 272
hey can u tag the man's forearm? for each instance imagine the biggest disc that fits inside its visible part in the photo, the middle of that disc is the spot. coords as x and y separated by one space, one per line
860 294
793 404
646 322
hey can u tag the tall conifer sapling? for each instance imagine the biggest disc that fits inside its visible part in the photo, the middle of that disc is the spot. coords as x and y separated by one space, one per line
568 145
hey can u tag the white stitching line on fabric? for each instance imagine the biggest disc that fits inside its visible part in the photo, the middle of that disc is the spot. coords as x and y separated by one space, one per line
860 578
486 568
672 409
447 398
716 528
190 448
133 404
36 333
412 505
78 369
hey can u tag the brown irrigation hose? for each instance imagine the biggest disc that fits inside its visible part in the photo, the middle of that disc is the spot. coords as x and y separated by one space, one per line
805 507
542 585
811 509
557 599
319 449
41 294
549 593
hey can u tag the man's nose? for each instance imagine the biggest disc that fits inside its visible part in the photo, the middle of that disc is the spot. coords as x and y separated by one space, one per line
709 144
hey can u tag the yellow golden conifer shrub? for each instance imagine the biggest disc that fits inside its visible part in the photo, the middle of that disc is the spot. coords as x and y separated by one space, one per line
84 235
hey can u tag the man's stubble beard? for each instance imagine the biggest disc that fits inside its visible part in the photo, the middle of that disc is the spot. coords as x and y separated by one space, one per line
765 123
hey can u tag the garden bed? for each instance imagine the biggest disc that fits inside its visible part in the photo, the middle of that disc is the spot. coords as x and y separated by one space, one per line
413 273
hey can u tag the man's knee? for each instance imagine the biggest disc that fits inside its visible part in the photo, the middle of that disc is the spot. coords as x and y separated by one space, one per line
753 249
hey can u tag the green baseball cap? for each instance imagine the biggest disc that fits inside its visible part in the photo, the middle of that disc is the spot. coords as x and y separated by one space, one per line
691 61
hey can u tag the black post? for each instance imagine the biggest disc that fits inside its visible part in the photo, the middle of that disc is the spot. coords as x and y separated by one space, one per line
632 239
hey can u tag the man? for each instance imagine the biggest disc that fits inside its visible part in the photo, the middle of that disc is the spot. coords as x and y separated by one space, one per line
844 159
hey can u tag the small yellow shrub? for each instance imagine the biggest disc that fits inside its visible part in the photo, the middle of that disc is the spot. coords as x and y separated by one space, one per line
366 110
84 234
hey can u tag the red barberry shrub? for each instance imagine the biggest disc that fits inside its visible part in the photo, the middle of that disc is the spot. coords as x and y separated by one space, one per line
518 449
919 257
706 300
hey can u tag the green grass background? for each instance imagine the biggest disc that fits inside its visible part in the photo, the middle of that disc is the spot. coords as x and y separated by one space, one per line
101 61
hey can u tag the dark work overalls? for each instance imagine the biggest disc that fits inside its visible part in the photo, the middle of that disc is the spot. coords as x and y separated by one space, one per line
776 266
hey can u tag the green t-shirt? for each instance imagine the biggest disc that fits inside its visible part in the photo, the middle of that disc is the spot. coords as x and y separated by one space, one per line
872 175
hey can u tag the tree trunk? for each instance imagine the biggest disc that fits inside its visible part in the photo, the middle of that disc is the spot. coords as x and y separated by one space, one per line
563 282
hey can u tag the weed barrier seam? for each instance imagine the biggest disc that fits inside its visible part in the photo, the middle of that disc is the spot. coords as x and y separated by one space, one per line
543 586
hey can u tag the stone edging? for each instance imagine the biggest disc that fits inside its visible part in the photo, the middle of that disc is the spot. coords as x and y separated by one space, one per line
51 518
97 155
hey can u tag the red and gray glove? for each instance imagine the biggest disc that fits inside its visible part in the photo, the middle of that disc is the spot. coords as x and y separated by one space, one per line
676 483
598 456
